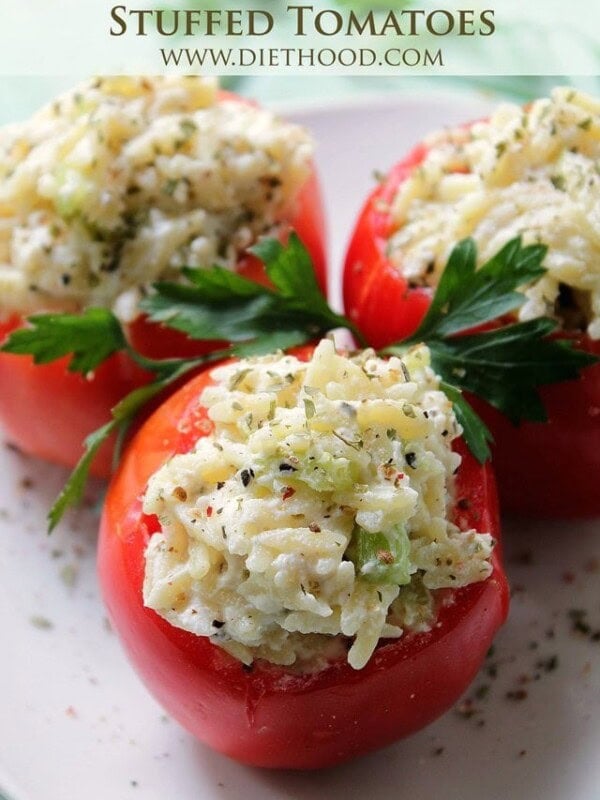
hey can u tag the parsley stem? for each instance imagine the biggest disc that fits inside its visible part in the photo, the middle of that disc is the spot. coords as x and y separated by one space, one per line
156 365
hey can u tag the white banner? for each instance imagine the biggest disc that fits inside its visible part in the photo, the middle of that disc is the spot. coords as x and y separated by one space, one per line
266 37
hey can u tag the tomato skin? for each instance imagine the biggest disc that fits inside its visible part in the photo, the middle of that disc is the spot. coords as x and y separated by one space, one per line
267 716
377 297
552 470
48 411
543 470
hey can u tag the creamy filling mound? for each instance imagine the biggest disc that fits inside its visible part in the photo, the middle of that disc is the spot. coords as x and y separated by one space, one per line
313 520
533 172
124 180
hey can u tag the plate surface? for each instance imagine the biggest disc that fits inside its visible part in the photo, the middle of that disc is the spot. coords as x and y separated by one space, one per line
75 721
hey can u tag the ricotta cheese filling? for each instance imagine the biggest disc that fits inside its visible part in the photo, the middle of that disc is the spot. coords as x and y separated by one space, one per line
125 180
313 519
533 172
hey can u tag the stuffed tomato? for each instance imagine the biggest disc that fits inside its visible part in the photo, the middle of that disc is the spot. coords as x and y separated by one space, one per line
114 186
300 555
530 172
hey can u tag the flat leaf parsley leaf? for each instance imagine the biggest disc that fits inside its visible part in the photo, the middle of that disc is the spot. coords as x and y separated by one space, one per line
503 365
219 305
467 297
506 366
89 338
476 433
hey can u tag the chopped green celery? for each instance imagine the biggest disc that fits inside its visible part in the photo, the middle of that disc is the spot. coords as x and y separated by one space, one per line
381 558
329 473
73 190
414 607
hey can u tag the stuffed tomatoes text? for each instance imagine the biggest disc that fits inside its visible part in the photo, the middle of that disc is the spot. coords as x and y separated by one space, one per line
529 172
114 186
300 564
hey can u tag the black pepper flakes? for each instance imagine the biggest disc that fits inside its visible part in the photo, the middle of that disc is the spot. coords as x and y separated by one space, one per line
482 691
283 467
246 476
548 664
492 671
518 695
579 623
411 459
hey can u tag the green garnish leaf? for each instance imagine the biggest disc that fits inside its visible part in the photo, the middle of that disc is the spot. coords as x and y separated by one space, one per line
186 309
475 432
123 414
220 305
381 558
290 269
506 366
222 285
467 297
72 491
89 338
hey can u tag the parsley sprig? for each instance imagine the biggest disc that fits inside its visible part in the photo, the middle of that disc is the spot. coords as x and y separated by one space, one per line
503 365
218 304
123 415
88 338
215 305
467 297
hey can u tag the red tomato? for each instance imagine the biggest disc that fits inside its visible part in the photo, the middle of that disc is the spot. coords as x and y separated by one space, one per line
378 298
553 469
376 295
267 715
47 411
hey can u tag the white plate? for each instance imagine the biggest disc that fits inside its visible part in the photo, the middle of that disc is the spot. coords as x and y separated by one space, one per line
76 723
